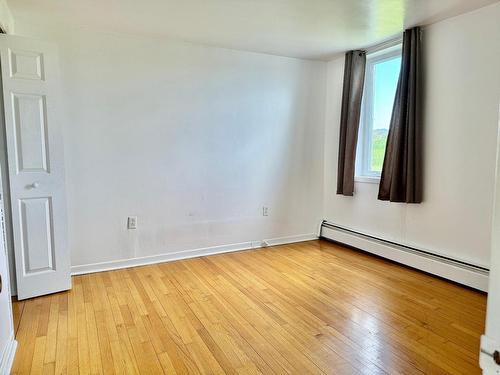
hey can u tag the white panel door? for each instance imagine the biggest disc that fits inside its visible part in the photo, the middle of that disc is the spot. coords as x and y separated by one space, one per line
36 169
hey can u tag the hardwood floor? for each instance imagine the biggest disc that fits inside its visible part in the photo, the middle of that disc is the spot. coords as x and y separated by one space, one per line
307 308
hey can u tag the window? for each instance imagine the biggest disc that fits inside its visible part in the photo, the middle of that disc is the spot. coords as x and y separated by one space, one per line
382 74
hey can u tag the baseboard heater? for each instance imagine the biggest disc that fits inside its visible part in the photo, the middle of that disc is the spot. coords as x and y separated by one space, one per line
455 270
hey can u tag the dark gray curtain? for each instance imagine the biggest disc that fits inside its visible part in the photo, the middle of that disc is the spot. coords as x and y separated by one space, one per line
354 77
401 179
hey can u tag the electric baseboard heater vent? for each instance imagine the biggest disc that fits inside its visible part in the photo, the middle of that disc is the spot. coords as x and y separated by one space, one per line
459 271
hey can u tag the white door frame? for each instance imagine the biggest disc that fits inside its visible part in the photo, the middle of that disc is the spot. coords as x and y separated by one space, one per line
8 351
5 192
490 341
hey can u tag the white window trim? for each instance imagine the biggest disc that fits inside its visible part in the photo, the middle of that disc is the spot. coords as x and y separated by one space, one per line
367 179
363 170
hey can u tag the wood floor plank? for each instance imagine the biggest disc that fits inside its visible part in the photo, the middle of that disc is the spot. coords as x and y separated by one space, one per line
306 308
17 312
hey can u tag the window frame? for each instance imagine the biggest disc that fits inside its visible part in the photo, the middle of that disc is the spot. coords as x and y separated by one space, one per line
363 171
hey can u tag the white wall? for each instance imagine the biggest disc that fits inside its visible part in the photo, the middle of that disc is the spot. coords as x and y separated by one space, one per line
205 137
6 19
193 140
462 93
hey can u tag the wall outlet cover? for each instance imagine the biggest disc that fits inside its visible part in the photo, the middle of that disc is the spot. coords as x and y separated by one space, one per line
132 222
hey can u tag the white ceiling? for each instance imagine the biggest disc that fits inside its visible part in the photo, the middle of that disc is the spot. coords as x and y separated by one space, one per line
315 29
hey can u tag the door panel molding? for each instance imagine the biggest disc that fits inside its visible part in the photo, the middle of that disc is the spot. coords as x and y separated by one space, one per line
26 65
31 142
37 234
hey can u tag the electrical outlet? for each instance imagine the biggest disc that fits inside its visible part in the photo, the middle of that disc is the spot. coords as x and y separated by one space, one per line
132 222
265 211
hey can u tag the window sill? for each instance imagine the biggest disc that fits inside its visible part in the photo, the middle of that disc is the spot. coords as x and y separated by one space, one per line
367 179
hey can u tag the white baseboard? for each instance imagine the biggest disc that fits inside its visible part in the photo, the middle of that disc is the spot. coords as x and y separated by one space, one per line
469 275
186 254
7 357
